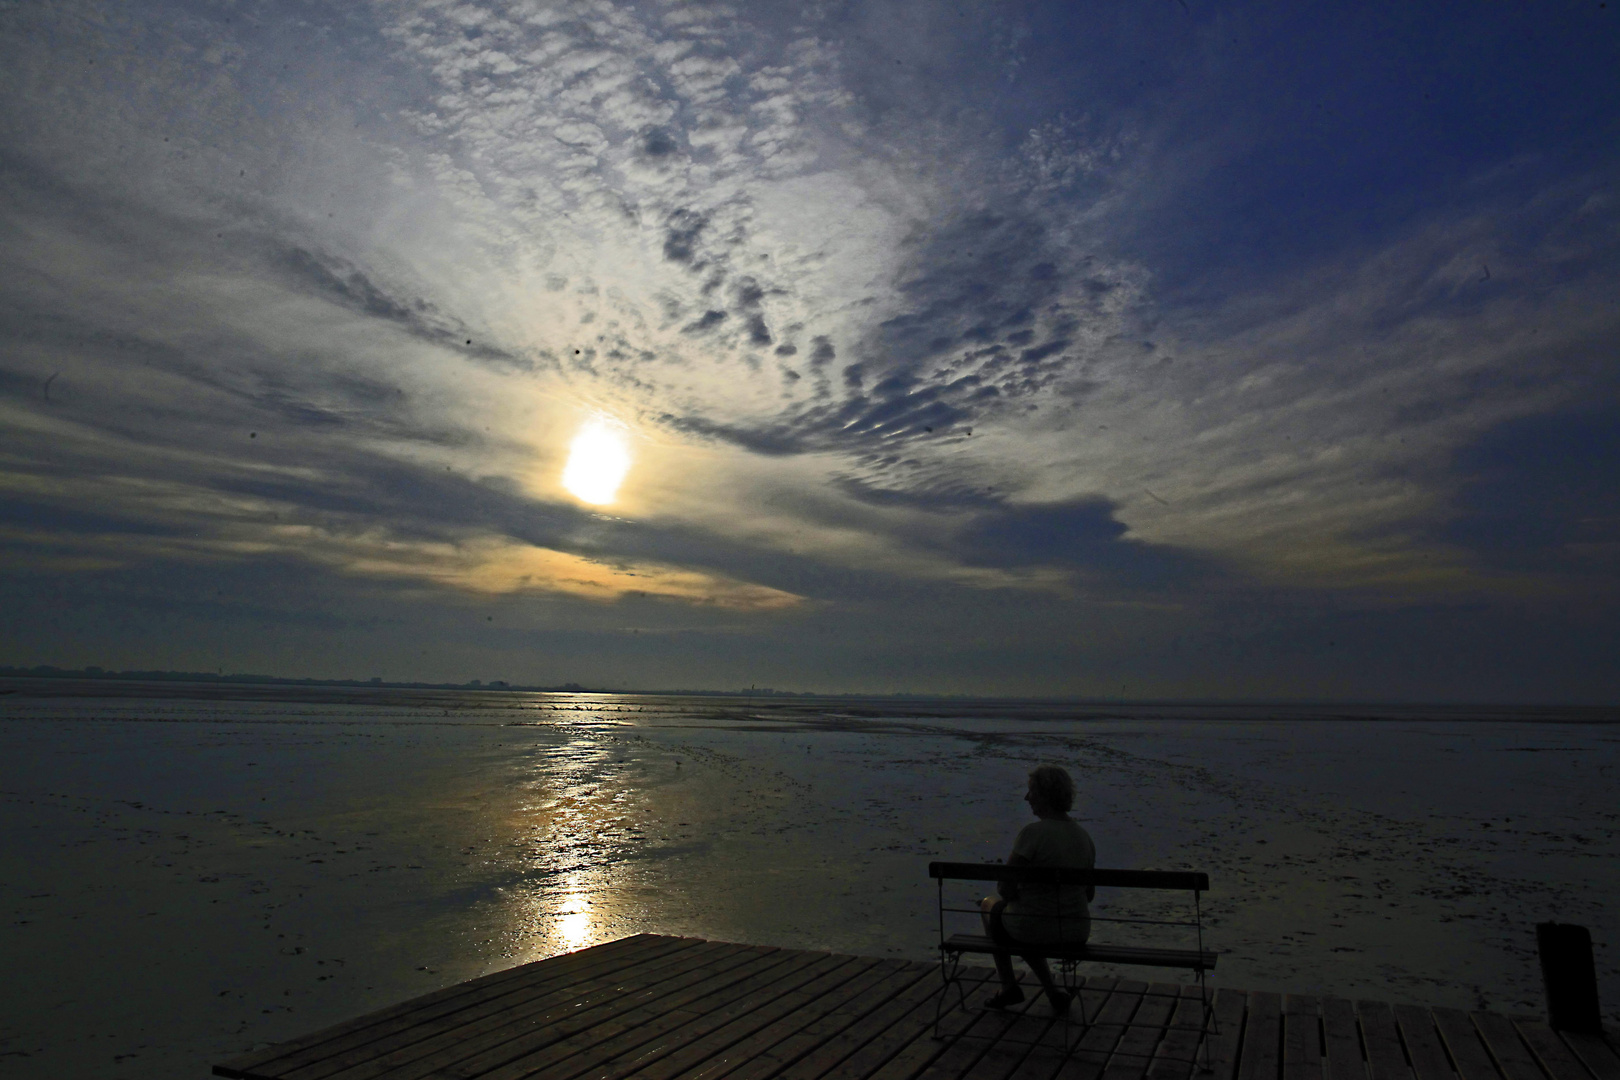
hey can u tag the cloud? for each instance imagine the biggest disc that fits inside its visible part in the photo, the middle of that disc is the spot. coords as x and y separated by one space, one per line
887 297
45 536
1083 534
499 567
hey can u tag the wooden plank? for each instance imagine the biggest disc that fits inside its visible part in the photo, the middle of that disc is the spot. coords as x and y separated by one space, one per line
1109 1024
1176 1056
1513 1058
1043 1059
879 986
1262 1038
1047 1034
966 997
1386 1060
909 1036
643 966
911 1007
1423 1047
1341 1037
758 1027
625 950
1139 1043
554 1019
1049 1052
689 1036
1134 1051
954 1053
1031 1026
963 1052
243 1062
1596 1054
698 1010
1551 1053
1467 1050
1090 1005
1302 1037
725 1038
1037 1044
815 1026
408 1041
659 1008
1231 1006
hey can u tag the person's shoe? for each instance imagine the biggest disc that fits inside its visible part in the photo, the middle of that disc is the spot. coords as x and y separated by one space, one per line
1005 999
1060 1002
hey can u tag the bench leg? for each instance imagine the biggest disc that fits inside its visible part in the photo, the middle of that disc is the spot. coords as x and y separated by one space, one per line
1210 1026
950 972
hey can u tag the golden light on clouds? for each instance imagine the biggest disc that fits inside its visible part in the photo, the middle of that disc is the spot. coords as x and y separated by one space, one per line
597 462
500 566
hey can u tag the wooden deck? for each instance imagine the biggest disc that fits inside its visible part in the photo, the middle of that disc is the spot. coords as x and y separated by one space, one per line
658 1008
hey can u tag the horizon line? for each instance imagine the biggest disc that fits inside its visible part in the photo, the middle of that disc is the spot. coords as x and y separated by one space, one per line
95 673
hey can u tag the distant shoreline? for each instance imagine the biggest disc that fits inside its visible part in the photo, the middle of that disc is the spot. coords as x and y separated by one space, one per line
100 675
96 674
56 682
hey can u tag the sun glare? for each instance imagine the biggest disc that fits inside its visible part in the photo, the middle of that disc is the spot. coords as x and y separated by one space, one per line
597 463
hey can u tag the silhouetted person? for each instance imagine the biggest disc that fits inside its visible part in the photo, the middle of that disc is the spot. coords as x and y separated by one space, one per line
1038 913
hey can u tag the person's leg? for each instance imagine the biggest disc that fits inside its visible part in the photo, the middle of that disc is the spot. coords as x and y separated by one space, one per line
1011 993
1055 994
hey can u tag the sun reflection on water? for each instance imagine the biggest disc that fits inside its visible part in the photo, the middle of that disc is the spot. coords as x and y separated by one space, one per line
574 922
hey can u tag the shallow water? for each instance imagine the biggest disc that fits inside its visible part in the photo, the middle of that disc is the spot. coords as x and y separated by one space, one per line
185 879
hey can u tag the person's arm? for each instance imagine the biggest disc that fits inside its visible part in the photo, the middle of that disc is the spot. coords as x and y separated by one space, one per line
1025 852
1009 889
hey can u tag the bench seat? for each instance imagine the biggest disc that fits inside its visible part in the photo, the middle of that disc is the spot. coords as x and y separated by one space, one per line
1106 954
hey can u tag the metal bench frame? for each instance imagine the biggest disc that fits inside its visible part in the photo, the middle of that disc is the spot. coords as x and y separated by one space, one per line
953 947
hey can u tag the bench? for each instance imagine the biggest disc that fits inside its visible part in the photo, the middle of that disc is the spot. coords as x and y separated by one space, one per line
954 946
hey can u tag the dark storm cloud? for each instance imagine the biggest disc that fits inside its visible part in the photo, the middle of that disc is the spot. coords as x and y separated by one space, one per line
1084 535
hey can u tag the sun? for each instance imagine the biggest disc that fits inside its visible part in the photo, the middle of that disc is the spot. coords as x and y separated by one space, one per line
597 462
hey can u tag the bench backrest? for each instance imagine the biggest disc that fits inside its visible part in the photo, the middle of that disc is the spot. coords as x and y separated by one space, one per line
1130 879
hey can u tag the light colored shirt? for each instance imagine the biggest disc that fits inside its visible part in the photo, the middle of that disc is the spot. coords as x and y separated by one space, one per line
1041 912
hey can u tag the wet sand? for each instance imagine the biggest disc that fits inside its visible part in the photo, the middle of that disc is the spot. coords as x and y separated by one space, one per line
187 878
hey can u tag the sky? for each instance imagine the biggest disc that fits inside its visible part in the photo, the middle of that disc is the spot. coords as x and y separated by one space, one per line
1164 349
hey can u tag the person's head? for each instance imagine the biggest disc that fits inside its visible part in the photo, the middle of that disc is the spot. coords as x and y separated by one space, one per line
1051 791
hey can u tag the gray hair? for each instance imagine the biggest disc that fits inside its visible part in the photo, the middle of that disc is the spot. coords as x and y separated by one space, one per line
1052 787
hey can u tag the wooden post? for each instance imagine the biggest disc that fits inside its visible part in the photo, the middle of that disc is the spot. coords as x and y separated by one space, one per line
1569 976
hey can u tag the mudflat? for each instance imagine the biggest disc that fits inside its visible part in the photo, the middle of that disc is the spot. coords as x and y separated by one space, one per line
192 873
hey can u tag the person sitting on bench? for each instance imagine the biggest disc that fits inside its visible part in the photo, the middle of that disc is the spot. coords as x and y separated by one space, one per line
1035 913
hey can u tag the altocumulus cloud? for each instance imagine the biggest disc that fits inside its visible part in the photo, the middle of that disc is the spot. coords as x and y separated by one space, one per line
890 298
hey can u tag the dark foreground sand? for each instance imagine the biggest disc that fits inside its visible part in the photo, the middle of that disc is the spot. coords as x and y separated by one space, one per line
183 879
